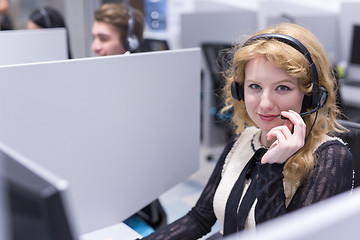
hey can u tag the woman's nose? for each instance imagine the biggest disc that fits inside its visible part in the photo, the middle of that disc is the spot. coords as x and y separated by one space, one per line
266 100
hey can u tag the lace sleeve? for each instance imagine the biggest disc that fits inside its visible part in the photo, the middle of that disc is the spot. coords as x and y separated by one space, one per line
199 220
333 174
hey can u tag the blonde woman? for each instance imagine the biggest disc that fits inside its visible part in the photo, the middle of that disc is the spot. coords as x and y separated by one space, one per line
281 90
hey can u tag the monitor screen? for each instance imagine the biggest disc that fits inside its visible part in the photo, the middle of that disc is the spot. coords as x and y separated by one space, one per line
355 48
34 200
150 44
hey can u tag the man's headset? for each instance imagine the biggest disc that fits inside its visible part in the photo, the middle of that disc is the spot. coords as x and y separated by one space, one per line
318 97
132 43
44 13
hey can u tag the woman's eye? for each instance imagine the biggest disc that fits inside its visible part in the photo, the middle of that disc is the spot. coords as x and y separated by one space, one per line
283 88
254 86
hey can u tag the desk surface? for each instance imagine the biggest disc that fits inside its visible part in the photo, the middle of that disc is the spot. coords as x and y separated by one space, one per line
119 231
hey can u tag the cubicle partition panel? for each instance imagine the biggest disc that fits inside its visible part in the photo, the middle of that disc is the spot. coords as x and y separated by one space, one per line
334 218
289 10
228 26
121 129
222 26
30 46
321 19
325 26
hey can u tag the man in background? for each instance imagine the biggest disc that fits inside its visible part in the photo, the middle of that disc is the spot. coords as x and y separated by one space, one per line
118 29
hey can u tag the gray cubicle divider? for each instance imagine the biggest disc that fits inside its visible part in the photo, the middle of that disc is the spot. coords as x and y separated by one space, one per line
121 129
335 218
29 46
224 26
325 26
215 27
322 21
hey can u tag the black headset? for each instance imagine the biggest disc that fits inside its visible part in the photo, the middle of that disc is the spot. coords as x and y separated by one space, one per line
47 20
132 42
318 97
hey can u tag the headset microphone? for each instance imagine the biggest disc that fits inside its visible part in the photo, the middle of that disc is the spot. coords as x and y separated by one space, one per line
303 113
321 103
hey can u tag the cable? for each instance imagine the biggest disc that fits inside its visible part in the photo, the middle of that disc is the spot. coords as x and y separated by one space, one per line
307 137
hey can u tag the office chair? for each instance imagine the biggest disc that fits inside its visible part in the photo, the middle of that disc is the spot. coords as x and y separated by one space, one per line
352 138
148 219
218 56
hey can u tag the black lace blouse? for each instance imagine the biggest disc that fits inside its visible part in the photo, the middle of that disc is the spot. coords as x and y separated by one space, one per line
333 174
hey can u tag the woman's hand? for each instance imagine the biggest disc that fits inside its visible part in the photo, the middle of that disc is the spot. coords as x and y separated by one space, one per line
289 138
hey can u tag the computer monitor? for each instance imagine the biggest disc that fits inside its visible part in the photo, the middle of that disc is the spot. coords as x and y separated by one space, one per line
353 69
151 44
33 200
355 47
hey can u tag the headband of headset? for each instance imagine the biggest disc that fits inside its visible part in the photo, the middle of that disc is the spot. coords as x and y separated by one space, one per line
44 13
319 94
132 42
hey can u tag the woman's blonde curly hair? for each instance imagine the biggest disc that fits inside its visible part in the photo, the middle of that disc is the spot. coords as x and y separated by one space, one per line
286 57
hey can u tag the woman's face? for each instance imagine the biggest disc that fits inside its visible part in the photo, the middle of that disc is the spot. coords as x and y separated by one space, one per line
106 40
268 91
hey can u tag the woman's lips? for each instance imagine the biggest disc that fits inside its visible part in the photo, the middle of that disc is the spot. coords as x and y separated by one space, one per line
268 117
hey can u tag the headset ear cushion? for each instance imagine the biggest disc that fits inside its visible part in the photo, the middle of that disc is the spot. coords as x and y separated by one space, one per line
241 92
323 95
132 43
307 103
237 91
317 100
